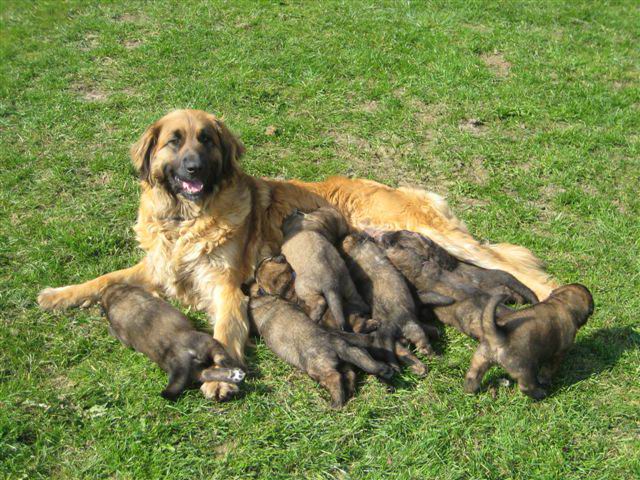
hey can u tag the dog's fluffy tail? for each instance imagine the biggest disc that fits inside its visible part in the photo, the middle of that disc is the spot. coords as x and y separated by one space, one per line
453 236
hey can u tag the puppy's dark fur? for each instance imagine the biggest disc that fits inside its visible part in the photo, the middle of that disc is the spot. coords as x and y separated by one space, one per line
155 328
324 355
322 278
424 261
531 343
384 288
278 278
456 292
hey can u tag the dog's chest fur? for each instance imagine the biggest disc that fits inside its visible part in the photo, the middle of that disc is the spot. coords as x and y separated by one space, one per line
186 258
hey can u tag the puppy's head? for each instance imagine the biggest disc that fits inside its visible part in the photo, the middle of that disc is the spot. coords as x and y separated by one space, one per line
578 299
276 277
187 152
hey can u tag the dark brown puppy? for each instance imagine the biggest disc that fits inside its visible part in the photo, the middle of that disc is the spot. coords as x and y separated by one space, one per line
532 342
456 292
296 339
155 328
322 278
424 261
278 278
383 287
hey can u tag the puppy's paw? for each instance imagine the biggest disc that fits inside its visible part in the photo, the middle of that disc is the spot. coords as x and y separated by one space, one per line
536 393
419 369
386 372
169 395
61 298
219 391
471 385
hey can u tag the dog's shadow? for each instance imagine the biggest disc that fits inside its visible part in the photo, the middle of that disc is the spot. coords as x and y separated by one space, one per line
596 352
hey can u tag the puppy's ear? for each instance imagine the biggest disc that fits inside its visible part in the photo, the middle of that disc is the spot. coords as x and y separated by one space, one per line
231 146
142 150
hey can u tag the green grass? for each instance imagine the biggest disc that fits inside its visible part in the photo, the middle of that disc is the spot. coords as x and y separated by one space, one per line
387 91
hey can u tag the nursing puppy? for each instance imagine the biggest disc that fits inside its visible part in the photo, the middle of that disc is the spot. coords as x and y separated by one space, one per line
423 261
322 279
155 328
383 287
278 278
296 339
531 343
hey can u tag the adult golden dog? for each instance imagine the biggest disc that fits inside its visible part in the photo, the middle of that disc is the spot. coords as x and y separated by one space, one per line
204 225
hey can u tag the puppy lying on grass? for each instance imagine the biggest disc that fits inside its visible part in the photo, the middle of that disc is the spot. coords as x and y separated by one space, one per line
279 279
155 328
393 306
423 261
456 292
324 355
531 343
321 276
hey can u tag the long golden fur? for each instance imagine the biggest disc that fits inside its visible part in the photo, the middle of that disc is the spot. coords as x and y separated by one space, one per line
201 250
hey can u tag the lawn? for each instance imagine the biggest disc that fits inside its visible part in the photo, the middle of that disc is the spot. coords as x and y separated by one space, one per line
526 115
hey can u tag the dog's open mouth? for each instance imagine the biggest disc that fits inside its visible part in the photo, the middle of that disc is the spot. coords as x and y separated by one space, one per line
191 186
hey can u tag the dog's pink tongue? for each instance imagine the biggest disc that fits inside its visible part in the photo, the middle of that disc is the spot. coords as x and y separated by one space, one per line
192 186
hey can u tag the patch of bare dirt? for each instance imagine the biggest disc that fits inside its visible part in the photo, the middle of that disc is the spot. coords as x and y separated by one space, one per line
477 172
271 130
132 44
89 42
473 126
427 113
89 93
496 63
370 106
129 17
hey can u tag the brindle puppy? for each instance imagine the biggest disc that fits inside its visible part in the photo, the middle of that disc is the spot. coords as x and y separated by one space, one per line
383 287
296 339
278 278
531 343
155 328
424 262
321 276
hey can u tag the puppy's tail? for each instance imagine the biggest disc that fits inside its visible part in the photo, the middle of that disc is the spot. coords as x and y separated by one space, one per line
491 333
334 300
516 285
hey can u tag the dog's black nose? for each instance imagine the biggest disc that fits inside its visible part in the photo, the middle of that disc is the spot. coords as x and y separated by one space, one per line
192 164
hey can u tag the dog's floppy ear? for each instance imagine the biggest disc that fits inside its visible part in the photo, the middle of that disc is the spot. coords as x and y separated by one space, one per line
231 146
142 150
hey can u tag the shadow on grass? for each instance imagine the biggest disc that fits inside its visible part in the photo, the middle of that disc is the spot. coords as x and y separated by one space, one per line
595 353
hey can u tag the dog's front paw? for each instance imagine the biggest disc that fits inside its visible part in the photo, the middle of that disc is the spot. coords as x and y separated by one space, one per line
61 298
219 391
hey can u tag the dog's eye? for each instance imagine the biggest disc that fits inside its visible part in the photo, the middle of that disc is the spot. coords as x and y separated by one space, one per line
204 138
175 141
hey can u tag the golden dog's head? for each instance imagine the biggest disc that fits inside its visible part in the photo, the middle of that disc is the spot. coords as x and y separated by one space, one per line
190 153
